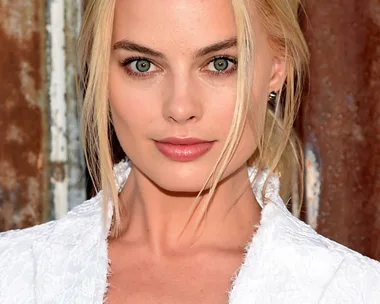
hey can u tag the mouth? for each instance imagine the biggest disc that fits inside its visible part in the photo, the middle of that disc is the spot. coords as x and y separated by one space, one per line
183 149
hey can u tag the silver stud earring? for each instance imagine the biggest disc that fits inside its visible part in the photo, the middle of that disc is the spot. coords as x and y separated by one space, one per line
272 96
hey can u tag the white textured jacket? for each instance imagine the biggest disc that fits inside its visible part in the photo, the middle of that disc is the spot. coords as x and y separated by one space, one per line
66 261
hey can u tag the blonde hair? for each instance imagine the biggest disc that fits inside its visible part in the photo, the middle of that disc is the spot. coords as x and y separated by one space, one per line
278 147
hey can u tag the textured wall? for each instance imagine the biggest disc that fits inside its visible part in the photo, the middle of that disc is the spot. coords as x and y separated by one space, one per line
22 113
41 160
341 120
66 163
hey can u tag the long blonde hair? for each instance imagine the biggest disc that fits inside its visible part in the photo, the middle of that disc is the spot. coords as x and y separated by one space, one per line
278 147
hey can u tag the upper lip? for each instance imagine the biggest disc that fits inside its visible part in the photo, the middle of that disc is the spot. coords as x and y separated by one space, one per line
183 141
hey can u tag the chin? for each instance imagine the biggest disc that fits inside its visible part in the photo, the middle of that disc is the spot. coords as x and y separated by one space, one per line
179 177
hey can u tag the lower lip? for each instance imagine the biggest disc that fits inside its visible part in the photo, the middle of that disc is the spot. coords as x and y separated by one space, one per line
184 153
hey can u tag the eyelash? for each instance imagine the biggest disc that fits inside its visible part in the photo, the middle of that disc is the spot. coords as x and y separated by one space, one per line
125 64
225 72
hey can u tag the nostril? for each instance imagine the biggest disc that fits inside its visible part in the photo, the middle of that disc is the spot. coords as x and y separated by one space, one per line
172 119
191 117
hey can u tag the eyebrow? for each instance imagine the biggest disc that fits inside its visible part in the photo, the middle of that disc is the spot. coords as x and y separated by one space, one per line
215 47
132 46
218 46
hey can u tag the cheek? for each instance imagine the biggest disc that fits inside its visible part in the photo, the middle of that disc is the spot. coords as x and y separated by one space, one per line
254 127
131 105
248 143
219 106
260 95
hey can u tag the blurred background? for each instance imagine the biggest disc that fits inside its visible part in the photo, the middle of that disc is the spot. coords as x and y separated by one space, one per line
42 171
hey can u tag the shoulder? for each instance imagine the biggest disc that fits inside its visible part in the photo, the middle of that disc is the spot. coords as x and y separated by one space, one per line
356 277
341 274
24 239
288 262
17 256
29 258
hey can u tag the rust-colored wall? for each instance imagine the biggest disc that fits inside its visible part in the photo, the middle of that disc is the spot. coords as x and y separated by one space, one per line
341 118
22 129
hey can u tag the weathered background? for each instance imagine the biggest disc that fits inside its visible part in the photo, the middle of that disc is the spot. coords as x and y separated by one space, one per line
41 165
340 121
23 115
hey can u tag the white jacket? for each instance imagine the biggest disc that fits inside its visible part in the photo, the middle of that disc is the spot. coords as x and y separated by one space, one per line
66 261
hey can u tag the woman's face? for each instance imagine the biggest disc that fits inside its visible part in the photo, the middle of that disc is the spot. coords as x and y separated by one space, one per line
173 87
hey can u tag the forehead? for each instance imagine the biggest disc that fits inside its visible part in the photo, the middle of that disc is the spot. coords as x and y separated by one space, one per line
183 22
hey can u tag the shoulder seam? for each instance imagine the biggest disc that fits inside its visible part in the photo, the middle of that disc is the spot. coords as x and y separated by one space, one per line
331 279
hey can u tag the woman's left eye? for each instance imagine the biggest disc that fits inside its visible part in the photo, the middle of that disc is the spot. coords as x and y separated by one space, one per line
222 65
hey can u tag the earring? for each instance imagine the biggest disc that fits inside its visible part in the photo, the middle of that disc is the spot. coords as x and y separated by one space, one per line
272 96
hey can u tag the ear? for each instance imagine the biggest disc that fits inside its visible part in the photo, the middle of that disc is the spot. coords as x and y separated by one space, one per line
278 74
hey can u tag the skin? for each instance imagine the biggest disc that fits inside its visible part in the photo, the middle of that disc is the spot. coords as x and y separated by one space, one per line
181 96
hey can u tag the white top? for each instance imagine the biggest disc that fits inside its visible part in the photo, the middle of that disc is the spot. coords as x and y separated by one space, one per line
66 261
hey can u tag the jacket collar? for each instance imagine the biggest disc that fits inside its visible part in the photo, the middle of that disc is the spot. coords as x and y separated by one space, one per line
72 264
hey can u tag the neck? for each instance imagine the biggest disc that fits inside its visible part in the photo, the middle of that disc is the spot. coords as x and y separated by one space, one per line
171 222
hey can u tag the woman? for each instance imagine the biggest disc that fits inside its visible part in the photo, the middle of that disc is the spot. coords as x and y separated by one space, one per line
194 215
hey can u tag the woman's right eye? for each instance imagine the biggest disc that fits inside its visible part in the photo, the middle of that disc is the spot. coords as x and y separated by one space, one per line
139 66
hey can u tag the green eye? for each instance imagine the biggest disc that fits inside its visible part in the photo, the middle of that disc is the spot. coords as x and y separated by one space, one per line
139 67
142 65
220 64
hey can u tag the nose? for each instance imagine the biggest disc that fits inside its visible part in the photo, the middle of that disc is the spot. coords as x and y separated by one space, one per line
183 103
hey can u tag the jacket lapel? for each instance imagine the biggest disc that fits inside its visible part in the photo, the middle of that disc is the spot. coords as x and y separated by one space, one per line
286 262
71 265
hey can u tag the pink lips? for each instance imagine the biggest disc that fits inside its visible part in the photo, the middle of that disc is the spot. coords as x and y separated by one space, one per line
183 149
